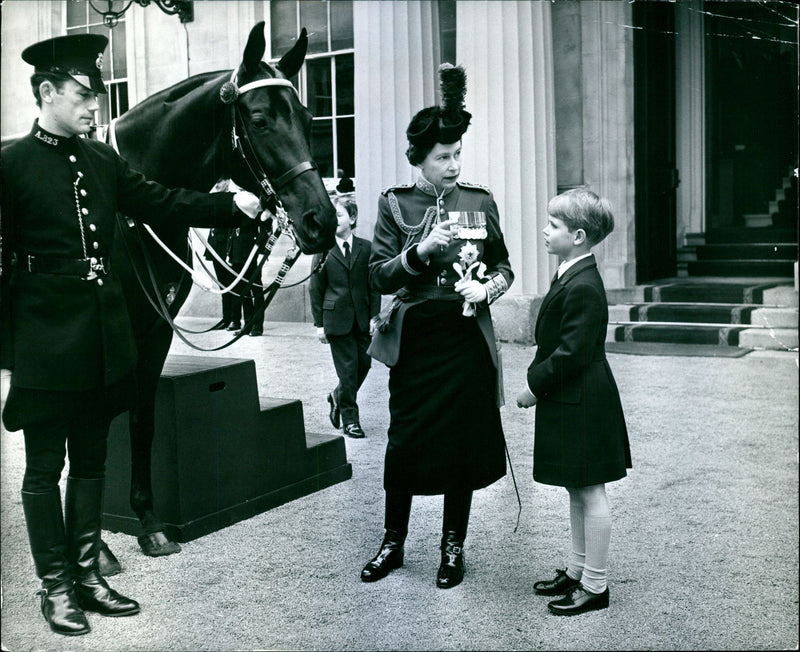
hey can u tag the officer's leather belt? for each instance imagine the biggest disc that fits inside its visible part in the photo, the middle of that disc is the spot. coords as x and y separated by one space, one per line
438 292
80 267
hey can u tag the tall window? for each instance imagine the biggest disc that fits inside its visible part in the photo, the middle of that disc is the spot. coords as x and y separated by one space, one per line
326 81
82 19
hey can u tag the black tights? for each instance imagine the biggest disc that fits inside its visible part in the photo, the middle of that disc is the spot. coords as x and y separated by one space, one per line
85 440
455 518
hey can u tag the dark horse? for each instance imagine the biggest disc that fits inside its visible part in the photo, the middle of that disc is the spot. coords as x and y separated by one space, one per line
184 137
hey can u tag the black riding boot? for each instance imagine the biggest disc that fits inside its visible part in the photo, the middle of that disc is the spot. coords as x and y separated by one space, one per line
45 524
454 531
84 510
390 555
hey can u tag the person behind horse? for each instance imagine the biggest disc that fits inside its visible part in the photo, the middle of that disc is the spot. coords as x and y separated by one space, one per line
439 248
581 440
342 305
67 335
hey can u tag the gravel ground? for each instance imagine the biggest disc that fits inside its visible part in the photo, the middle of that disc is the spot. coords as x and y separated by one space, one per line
704 551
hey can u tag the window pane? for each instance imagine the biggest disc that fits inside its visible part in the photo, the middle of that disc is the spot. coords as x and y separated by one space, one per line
314 17
283 16
119 60
341 24
322 146
345 134
319 87
345 104
447 30
76 12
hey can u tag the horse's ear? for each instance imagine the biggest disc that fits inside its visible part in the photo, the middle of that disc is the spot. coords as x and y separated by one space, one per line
291 62
254 50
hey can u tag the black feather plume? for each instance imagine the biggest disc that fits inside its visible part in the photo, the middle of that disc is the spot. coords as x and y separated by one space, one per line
453 89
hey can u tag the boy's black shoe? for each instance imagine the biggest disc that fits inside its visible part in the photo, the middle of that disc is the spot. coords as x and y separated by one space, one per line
334 414
561 584
578 601
354 430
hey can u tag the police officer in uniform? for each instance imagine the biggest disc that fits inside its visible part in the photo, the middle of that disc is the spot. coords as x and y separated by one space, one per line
438 248
66 332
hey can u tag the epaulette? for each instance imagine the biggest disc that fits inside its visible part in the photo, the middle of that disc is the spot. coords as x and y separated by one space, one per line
474 186
402 186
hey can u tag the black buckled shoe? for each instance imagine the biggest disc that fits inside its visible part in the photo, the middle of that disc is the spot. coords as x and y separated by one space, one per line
389 557
451 570
561 584
335 416
354 430
578 601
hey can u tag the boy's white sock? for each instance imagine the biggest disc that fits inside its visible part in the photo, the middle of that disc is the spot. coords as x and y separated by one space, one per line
577 557
598 538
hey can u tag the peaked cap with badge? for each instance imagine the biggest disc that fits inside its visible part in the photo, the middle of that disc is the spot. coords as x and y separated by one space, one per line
78 55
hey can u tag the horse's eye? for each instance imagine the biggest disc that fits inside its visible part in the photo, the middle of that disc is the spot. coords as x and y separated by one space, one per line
259 122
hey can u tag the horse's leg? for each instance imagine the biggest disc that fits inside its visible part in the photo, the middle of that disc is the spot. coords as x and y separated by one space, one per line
153 353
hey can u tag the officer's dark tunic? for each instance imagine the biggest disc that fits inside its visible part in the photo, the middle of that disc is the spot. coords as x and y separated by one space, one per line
445 432
68 339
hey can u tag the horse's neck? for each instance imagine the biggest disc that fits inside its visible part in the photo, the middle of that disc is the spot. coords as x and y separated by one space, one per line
178 140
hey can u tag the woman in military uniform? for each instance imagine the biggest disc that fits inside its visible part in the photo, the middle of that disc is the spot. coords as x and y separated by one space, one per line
66 331
438 248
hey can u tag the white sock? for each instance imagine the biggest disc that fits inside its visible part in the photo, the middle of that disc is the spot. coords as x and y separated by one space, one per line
598 538
577 557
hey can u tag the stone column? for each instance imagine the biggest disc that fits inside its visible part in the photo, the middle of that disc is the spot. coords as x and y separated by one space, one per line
690 119
506 48
607 59
395 62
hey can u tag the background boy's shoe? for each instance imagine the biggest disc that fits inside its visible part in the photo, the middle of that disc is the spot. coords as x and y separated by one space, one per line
578 601
354 430
334 414
561 584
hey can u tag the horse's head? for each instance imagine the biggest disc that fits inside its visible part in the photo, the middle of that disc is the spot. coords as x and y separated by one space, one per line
273 129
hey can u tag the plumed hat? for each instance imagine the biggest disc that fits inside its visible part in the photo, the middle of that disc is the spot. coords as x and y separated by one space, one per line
444 123
78 55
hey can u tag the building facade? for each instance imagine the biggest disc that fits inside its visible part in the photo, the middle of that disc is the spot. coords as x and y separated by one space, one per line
683 114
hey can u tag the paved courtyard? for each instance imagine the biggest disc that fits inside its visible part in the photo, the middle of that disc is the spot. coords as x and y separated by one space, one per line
704 551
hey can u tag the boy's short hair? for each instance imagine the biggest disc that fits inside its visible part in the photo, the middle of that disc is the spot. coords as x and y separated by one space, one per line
349 204
580 208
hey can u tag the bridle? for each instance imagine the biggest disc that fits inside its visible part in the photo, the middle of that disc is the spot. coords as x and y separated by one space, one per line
229 94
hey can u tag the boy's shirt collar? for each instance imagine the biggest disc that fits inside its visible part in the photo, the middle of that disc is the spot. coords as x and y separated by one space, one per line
340 242
563 267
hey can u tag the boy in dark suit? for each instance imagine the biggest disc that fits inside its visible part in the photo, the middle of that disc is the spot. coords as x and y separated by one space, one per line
342 305
581 441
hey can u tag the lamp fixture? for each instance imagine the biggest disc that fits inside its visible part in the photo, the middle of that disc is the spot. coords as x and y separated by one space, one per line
184 9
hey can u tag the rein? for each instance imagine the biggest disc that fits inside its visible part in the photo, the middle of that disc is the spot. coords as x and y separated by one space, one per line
229 94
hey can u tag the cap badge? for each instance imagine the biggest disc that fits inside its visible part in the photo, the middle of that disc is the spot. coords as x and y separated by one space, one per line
99 61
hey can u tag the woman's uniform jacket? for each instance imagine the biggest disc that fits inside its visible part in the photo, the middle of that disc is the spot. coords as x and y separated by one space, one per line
395 266
580 438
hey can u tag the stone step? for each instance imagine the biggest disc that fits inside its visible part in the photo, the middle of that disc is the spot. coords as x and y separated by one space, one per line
713 291
705 313
754 251
736 267
760 234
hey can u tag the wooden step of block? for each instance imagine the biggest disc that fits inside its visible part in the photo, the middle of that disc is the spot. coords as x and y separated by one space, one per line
220 453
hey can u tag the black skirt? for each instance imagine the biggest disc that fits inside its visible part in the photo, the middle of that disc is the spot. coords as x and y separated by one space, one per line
445 432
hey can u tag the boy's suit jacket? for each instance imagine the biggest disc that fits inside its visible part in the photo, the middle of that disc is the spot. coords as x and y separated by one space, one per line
581 438
340 294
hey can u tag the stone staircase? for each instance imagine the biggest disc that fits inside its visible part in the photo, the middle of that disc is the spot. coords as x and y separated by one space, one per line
748 313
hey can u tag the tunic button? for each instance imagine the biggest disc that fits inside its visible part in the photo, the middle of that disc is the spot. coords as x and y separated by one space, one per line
99 281
441 211
92 227
80 174
95 245
72 159
84 211
83 192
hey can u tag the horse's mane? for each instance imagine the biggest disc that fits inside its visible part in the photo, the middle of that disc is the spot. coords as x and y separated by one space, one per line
183 88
